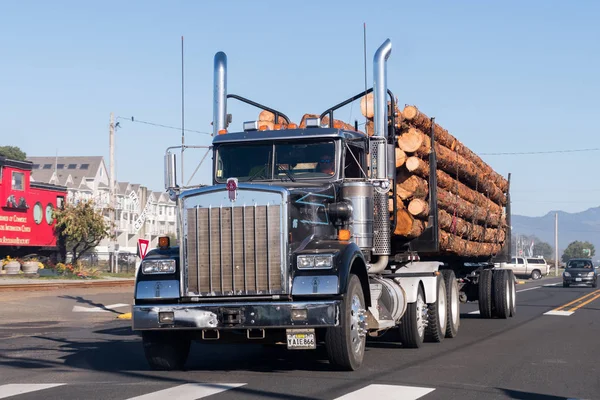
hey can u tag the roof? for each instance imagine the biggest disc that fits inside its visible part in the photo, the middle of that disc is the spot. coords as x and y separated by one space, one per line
308 133
24 165
78 168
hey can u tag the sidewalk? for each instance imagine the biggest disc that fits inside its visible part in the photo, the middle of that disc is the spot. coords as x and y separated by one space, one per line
15 284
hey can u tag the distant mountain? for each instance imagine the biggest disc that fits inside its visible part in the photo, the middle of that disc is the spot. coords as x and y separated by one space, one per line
583 226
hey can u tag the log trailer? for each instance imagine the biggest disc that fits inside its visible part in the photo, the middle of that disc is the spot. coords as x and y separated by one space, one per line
294 243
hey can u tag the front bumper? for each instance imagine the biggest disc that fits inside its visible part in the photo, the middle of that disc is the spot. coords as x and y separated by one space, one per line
583 280
238 315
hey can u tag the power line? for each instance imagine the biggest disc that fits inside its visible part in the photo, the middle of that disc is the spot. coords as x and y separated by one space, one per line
540 152
132 119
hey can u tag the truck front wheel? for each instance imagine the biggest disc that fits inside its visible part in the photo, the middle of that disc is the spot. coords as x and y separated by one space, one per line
166 351
346 343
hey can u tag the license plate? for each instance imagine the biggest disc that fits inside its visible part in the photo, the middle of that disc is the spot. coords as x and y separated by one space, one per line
301 339
577 279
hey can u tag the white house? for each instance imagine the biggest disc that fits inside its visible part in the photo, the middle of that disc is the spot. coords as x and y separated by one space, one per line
86 178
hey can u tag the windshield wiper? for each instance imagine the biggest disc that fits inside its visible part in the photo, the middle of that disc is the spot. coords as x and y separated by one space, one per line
260 171
280 168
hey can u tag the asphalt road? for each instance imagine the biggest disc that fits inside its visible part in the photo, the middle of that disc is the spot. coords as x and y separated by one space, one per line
70 345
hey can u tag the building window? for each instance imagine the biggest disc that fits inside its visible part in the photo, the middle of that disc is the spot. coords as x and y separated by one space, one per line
60 166
72 166
18 181
36 166
84 166
47 166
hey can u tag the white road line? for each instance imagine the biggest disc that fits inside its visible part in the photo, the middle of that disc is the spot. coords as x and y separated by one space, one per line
561 313
552 284
99 309
189 391
475 312
387 392
17 388
531 288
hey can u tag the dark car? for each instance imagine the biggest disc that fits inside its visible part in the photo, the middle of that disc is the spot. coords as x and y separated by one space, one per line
580 271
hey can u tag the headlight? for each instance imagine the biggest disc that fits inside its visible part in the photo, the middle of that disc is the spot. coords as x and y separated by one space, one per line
566 273
315 261
150 267
591 273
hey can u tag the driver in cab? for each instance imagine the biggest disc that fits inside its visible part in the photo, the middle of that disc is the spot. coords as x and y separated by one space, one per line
326 165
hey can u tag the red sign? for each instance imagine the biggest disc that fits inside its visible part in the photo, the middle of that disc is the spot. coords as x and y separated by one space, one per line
143 247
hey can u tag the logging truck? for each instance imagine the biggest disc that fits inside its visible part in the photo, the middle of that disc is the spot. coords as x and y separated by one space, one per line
319 234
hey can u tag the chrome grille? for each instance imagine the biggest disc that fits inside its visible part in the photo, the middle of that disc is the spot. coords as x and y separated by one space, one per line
234 251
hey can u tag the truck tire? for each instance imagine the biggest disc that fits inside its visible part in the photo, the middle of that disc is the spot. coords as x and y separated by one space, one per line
453 302
502 294
413 323
485 293
437 314
166 351
345 343
513 293
536 274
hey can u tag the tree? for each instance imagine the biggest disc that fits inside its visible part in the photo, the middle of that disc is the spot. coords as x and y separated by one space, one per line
543 249
13 152
578 249
80 227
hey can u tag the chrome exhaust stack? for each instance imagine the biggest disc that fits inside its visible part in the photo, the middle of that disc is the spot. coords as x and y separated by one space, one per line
220 93
379 161
380 117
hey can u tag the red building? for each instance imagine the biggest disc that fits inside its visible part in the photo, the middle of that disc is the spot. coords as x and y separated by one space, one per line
26 221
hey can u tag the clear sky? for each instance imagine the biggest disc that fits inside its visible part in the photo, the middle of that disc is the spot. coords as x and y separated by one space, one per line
513 76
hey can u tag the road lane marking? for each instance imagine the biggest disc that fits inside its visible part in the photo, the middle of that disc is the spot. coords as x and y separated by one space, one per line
531 288
475 312
108 308
388 392
552 284
577 307
17 388
572 306
578 299
561 313
189 391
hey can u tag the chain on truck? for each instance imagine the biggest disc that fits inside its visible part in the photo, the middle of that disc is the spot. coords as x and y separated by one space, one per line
292 245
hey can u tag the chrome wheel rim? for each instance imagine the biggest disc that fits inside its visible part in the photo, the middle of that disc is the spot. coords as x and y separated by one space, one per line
513 299
421 315
358 324
442 314
454 303
507 300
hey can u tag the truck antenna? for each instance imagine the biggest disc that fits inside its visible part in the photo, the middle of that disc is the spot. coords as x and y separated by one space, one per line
365 60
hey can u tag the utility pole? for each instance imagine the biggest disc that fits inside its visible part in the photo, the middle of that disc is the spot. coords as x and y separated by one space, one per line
111 188
556 244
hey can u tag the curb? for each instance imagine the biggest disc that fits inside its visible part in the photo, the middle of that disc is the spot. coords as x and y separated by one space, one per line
23 287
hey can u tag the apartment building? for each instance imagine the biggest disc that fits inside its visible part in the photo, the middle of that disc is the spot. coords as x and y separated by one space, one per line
140 212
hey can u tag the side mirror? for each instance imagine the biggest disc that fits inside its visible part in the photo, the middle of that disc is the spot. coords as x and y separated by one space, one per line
170 171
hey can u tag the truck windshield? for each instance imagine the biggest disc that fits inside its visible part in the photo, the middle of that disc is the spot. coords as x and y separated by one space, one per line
280 161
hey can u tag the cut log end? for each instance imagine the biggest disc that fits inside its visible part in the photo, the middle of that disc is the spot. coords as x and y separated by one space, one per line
410 141
410 112
418 208
400 158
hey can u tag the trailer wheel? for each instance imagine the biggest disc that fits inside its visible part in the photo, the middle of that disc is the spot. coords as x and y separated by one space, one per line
453 302
485 293
166 351
502 294
346 343
513 293
437 318
413 322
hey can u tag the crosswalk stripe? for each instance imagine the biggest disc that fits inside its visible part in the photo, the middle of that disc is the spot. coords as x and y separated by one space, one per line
189 391
387 392
14 389
103 309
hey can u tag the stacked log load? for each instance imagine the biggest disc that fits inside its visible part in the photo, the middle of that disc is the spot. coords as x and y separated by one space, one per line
471 196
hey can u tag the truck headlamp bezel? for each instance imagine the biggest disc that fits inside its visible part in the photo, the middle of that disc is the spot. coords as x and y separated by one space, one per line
158 267
314 261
